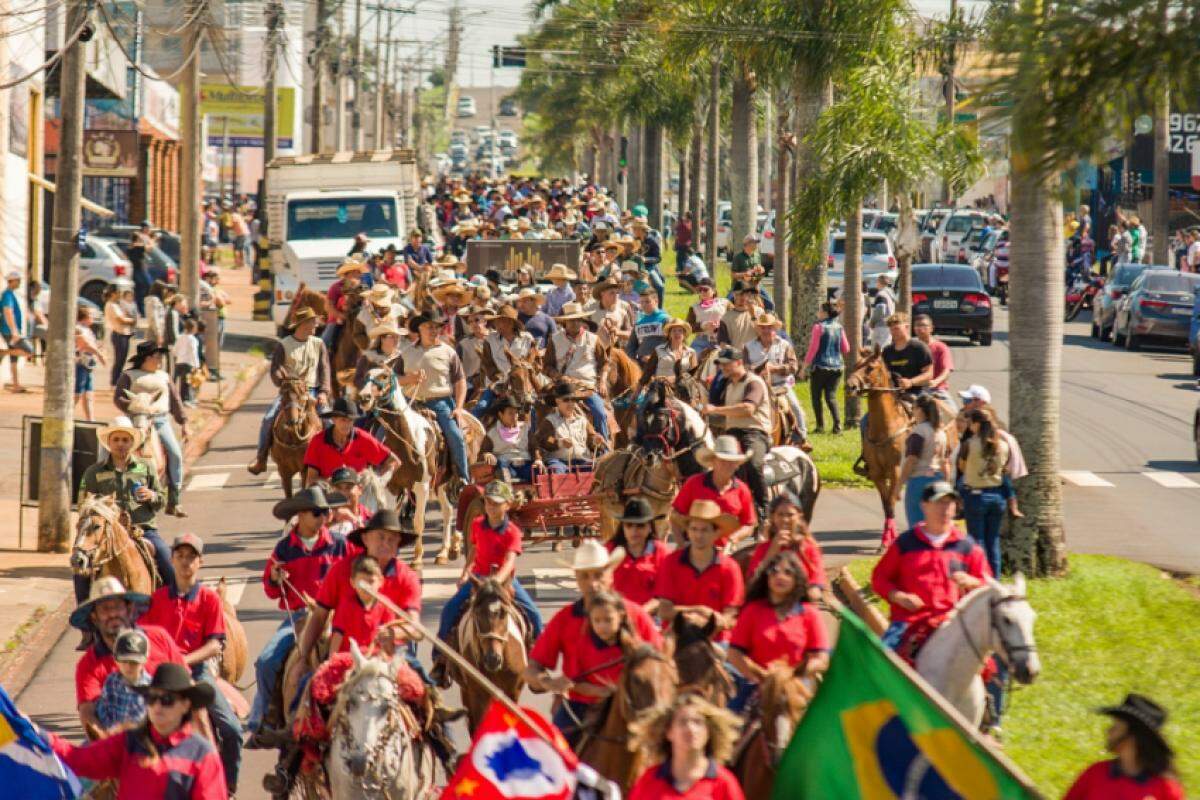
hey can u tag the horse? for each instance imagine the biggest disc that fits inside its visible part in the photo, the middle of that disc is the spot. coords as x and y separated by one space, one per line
669 423
150 449
235 652
624 377
105 544
352 340
888 424
376 749
991 619
630 471
305 298
491 637
648 680
783 695
295 425
700 662
788 468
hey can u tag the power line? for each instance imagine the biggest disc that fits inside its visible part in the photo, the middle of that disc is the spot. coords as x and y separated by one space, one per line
50 62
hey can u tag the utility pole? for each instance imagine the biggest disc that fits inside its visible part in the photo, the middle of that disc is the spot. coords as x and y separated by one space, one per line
385 91
951 68
320 56
189 184
58 414
339 76
453 43
357 76
262 298
406 104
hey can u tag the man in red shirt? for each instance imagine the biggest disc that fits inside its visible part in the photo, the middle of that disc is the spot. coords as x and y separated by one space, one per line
929 568
343 445
192 615
698 574
943 361
1142 768
108 611
731 494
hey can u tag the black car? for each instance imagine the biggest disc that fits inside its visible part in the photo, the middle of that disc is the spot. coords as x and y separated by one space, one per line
954 296
1104 306
161 266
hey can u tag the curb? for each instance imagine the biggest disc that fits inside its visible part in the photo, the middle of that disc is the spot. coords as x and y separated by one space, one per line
17 673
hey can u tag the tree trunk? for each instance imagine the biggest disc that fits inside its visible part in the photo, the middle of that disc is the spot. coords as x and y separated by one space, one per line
633 157
906 240
1160 228
1036 544
853 296
681 198
808 279
714 157
743 147
653 164
783 188
697 171
766 160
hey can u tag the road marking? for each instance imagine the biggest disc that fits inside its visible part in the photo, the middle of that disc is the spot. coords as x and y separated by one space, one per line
201 483
1084 478
272 478
1171 480
213 467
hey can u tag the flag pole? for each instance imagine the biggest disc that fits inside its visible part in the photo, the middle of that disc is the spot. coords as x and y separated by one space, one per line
943 705
466 666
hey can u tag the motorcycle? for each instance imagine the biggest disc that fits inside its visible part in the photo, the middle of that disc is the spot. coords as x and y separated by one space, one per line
1081 294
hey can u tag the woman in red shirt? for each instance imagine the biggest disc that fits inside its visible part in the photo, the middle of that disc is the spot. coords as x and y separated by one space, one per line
776 624
690 739
1142 767
789 531
644 552
164 756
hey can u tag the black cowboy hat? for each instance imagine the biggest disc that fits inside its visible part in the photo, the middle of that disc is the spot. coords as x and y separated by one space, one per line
1140 710
342 407
417 321
176 679
565 390
505 402
386 520
145 350
637 509
314 498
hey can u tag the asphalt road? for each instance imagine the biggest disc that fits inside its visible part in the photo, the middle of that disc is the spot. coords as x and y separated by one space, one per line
1126 439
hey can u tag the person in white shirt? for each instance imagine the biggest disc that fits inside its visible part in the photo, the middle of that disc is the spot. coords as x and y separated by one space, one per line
187 360
1193 251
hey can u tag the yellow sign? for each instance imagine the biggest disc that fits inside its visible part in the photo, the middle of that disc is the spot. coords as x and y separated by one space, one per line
235 114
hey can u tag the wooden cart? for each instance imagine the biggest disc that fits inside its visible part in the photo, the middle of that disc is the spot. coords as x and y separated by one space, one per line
553 508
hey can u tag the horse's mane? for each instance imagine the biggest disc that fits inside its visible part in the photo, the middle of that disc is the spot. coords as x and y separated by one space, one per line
628 369
101 505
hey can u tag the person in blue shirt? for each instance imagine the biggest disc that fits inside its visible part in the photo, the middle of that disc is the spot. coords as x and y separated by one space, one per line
537 323
416 252
12 327
648 331
651 249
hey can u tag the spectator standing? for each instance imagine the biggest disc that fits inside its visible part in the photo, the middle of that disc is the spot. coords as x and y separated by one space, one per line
12 327
187 361
120 324
827 345
87 353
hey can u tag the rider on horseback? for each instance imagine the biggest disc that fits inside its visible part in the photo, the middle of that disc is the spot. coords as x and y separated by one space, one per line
147 377
350 278
773 358
436 371
575 353
508 339
747 412
720 485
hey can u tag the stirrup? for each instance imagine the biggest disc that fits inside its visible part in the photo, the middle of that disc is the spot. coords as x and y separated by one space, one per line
860 468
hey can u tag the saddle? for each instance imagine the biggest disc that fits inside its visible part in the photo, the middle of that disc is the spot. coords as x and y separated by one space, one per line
146 550
918 633
634 470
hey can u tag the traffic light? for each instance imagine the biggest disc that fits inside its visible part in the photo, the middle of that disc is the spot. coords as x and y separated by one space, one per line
623 162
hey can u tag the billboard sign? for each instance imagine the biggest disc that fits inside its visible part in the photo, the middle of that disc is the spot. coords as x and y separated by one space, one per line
235 115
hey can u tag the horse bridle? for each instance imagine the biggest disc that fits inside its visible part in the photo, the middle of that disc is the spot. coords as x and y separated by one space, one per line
1008 648
89 553
376 756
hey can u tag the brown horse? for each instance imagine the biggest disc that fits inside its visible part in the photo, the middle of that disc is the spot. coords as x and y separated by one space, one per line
295 425
106 543
624 378
700 662
783 695
647 681
305 298
236 651
491 637
352 340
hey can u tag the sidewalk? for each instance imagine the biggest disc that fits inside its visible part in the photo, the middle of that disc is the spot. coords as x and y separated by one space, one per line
35 588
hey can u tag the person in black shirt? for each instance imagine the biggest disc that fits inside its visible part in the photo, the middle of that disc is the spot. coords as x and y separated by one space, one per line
908 359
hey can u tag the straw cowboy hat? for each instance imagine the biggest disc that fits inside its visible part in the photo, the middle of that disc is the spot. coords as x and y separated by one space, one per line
304 314
677 323
120 424
523 223
768 320
463 198
467 226
353 264
725 448
440 293
505 312
612 244
447 260
386 329
176 679
604 285
593 555
709 511
571 311
560 272
531 294
314 498
106 588
380 295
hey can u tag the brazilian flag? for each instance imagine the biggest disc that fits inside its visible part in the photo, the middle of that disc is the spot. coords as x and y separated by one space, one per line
871 733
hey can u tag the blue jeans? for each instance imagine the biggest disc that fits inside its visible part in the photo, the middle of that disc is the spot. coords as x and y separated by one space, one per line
83 380
656 280
329 334
227 727
984 512
598 413
270 663
485 402
566 723
268 421
894 635
520 472
162 561
995 691
443 409
912 497
456 605
166 434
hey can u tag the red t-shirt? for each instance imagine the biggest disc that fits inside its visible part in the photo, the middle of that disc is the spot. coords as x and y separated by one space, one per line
492 545
396 275
562 634
735 500
97 662
657 783
1105 781
809 553
355 621
915 565
942 361
764 637
634 577
400 585
580 662
362 451
718 586
191 619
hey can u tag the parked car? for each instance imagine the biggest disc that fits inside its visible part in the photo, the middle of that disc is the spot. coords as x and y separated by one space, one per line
479 131
955 297
951 231
928 227
1104 307
1158 308
972 244
766 239
885 222
466 106
161 266
508 107
100 263
168 241
724 226
981 254
878 257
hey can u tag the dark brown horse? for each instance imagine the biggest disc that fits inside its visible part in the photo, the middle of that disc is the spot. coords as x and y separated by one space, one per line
352 340
783 695
295 425
491 637
305 298
700 662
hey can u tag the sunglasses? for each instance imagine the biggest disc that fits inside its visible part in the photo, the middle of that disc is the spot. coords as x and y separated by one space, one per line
165 700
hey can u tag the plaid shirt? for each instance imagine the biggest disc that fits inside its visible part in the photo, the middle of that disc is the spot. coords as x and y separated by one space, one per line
119 702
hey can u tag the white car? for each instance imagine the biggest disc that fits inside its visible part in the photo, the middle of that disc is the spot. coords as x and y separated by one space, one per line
952 229
466 106
724 225
766 238
100 264
480 131
928 228
878 257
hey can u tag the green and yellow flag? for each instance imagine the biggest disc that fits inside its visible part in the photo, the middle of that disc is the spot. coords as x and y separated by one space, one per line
871 733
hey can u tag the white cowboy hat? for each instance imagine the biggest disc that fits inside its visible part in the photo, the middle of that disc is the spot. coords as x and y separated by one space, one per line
352 264
106 588
725 448
593 555
560 271
571 311
385 329
380 295
530 294
121 424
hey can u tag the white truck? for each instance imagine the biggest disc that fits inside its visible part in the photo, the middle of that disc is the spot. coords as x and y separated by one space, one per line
317 204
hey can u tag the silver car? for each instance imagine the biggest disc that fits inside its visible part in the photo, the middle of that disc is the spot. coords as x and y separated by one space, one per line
100 264
878 257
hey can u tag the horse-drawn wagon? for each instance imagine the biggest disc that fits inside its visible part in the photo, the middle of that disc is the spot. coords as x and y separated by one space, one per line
555 507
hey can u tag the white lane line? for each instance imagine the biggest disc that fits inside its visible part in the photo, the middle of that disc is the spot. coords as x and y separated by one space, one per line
214 467
201 483
272 478
1171 480
1084 478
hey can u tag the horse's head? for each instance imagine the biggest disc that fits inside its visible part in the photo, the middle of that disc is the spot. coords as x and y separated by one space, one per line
141 404
523 376
1012 620
375 389
492 615
93 529
701 664
369 701
783 695
661 425
869 372
649 680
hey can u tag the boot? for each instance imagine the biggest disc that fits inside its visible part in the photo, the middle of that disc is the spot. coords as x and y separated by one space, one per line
268 739
439 674
173 508
259 464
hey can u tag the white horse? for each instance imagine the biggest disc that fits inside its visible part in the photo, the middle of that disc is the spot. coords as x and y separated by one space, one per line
151 450
382 391
991 619
373 753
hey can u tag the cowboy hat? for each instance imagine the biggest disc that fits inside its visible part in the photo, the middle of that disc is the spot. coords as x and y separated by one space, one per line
463 197
386 329
120 424
465 226
530 294
176 679
314 498
510 223
677 323
637 510
571 311
418 320
505 312
523 223
612 244
106 588
560 272
379 295
604 285
767 320
342 407
382 520
565 390
351 265
1137 709
302 315
593 555
725 448
709 511
145 350
446 260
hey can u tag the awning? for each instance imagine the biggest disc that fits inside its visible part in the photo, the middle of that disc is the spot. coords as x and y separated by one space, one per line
95 208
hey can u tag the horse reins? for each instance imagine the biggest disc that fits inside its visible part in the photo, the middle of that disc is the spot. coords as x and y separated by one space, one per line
1009 649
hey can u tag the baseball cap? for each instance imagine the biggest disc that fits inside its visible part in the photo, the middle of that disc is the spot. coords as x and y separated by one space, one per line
343 475
749 237
976 392
728 354
191 540
498 492
131 645
939 490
